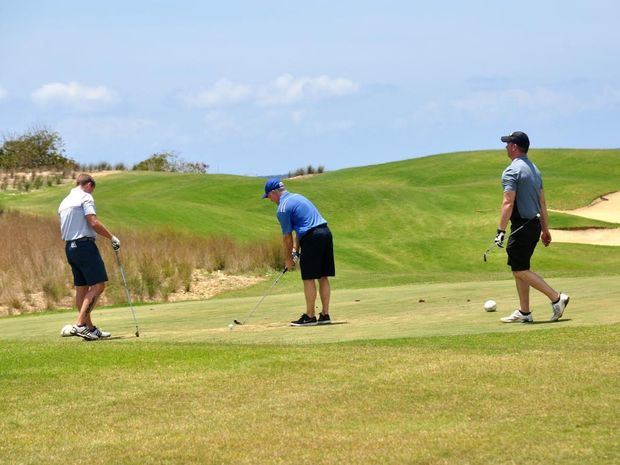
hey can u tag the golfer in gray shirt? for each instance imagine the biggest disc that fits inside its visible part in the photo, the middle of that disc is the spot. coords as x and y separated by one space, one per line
525 206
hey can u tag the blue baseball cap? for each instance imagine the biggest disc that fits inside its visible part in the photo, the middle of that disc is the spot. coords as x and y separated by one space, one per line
272 184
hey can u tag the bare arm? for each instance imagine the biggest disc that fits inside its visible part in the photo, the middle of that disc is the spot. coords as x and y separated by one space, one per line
507 205
545 235
287 244
98 226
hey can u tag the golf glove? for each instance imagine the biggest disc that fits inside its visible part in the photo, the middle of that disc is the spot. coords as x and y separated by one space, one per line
295 257
499 238
116 243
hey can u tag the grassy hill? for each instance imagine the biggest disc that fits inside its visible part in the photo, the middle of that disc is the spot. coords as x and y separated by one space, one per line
414 373
420 220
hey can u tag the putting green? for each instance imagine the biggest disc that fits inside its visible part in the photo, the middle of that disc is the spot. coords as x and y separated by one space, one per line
416 310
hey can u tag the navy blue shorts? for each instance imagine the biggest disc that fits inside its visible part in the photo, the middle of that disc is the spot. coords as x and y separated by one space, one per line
521 245
86 263
317 254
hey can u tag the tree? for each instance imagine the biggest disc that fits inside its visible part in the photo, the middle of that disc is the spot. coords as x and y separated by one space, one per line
161 161
37 148
170 162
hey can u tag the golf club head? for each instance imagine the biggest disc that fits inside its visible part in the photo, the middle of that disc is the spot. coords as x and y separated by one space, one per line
237 322
137 333
484 257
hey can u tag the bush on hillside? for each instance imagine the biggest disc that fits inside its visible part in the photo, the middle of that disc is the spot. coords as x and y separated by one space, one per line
308 170
38 148
171 163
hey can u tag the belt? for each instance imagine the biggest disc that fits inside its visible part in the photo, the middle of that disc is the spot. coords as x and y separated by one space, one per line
324 225
307 233
83 239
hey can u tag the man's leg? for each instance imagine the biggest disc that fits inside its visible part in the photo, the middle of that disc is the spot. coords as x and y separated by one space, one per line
80 293
325 294
523 289
310 294
88 303
532 279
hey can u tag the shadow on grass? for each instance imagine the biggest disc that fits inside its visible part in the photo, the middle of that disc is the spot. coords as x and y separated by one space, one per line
552 322
111 338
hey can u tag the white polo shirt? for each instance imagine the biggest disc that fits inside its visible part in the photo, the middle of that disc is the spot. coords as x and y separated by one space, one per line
72 211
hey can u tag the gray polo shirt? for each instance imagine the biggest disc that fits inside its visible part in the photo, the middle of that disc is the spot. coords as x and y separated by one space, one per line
72 212
523 177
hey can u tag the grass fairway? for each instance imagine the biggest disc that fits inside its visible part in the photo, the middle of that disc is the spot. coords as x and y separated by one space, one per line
411 373
191 391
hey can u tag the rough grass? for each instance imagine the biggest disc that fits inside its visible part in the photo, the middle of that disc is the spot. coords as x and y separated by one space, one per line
546 396
34 273
421 220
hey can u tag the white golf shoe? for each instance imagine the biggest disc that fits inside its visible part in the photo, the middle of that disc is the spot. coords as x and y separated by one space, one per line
518 317
84 332
559 306
100 334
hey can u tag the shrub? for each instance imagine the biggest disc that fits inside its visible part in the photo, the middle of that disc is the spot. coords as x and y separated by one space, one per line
308 170
36 148
170 162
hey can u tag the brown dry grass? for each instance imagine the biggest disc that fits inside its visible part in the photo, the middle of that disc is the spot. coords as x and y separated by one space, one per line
34 274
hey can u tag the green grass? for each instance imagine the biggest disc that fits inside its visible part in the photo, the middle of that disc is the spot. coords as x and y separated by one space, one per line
419 220
190 391
361 314
414 371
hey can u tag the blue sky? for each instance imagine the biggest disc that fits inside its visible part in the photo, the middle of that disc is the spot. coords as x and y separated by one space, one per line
266 87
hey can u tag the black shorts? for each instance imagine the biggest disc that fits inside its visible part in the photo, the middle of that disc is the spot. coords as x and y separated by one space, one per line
86 263
521 245
317 254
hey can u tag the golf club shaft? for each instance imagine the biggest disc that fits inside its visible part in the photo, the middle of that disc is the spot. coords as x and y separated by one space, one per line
262 298
133 313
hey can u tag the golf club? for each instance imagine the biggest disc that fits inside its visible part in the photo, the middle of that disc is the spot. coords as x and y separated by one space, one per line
484 256
237 322
133 313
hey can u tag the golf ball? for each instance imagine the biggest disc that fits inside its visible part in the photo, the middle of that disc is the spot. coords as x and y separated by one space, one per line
231 326
490 306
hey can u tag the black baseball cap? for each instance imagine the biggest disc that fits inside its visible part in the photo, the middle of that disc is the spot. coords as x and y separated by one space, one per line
519 138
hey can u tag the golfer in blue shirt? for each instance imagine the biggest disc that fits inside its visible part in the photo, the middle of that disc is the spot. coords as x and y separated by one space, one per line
312 244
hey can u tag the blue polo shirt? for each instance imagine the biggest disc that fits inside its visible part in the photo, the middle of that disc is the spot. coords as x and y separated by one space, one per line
523 177
295 212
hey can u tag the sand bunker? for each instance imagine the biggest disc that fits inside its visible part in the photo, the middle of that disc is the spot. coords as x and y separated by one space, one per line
604 208
587 236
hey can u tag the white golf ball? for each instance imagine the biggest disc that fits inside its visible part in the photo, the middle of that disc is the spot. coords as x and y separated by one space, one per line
231 326
490 306
66 331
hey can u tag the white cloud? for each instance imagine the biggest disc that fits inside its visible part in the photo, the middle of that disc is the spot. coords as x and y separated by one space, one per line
219 124
284 90
484 106
74 95
490 104
287 89
222 93
3 92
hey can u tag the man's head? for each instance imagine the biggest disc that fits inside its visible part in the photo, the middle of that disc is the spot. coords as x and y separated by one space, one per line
86 182
273 189
517 142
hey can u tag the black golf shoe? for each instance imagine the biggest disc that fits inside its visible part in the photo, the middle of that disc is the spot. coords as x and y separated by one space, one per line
324 319
305 320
